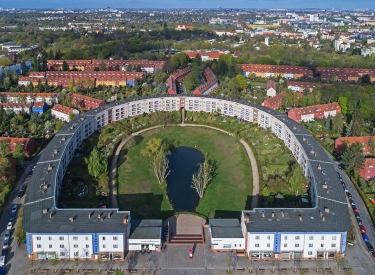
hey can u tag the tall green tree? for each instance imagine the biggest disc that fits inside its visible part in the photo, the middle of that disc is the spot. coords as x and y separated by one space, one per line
96 163
4 149
353 157
357 123
65 66
343 102
338 124
241 81
19 154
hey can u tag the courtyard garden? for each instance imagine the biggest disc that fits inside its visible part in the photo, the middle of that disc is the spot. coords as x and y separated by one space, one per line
228 193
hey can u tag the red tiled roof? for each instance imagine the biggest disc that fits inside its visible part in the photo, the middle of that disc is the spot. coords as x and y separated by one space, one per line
62 109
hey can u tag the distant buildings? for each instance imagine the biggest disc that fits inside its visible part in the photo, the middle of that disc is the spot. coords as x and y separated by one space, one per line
310 113
276 70
302 86
63 112
173 80
16 48
39 107
271 88
205 55
367 171
274 102
17 107
28 144
344 74
86 102
209 86
184 27
19 97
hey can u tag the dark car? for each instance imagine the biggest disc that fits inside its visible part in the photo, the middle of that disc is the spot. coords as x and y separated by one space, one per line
12 216
22 191
365 238
349 195
363 229
2 271
370 247
373 254
357 215
4 252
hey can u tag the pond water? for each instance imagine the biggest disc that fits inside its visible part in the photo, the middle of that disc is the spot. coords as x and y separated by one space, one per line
183 163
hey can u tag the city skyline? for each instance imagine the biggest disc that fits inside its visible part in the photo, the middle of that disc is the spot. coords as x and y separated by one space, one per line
252 4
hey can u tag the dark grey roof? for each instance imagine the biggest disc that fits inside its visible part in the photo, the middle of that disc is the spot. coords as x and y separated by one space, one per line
225 228
146 229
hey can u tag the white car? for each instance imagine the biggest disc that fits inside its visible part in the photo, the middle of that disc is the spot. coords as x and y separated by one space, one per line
2 260
9 226
6 244
7 235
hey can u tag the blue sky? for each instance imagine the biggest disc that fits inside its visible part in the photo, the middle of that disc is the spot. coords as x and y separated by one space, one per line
326 4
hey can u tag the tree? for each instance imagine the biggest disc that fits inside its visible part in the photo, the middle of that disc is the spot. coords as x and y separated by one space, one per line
338 124
357 123
154 146
161 88
59 125
353 157
102 67
348 131
234 88
99 260
241 81
117 67
372 146
65 66
160 77
76 260
4 149
343 102
72 116
6 172
55 261
19 154
159 166
48 125
96 163
266 192
203 177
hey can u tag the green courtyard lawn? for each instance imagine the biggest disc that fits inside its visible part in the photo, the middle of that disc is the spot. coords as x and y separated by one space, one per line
229 192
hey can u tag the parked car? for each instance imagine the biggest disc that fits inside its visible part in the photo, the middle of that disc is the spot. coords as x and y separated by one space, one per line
2 261
363 229
373 255
355 209
4 252
349 195
365 238
2 271
12 216
360 222
357 216
22 191
346 188
9 225
353 206
5 245
14 208
370 247
7 235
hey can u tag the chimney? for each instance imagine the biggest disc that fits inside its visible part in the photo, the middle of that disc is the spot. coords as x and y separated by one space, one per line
90 214
300 217
71 219
51 215
326 209
102 218
282 213
323 218
247 218
319 168
99 215
45 210
125 220
109 215
262 214
273 214
321 214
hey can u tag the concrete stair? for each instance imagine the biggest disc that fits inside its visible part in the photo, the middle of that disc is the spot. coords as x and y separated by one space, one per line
186 240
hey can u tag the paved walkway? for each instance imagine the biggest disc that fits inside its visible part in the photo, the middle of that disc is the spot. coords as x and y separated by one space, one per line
113 168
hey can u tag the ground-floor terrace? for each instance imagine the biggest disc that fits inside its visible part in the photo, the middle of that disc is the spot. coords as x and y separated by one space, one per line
290 255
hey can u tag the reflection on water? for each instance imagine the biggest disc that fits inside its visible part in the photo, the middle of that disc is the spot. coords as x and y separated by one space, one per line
183 163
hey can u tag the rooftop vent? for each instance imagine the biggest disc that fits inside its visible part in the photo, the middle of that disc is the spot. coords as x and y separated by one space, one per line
300 217
90 214
45 210
51 214
323 218
282 213
273 214
49 168
99 215
326 209
71 219
319 167
247 218
262 214
325 186
109 215
125 220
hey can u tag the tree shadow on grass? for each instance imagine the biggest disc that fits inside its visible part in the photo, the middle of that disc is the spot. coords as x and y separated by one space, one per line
144 206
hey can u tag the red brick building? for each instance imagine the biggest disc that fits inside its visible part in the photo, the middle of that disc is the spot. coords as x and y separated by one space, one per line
274 102
342 142
86 102
368 169
310 113
263 70
176 77
28 144
210 85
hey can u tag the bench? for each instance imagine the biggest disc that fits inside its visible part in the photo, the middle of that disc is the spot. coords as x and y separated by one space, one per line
67 271
132 270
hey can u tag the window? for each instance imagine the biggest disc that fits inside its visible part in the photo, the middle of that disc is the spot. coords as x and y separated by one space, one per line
257 237
103 238
104 246
333 245
76 246
256 245
75 238
285 237
310 245
296 245
296 237
50 238
39 246
87 246
334 238
50 246
86 238
115 246
75 254
311 237
268 245
268 237
38 238
322 238
322 245
285 245
61 246
309 253
115 238
61 238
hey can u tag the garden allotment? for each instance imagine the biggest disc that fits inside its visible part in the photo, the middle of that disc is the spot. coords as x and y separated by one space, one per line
262 233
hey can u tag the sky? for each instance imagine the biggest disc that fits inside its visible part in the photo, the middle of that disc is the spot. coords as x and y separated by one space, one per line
123 4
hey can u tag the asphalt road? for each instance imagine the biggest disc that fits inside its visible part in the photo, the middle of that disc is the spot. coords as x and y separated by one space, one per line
11 258
358 256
